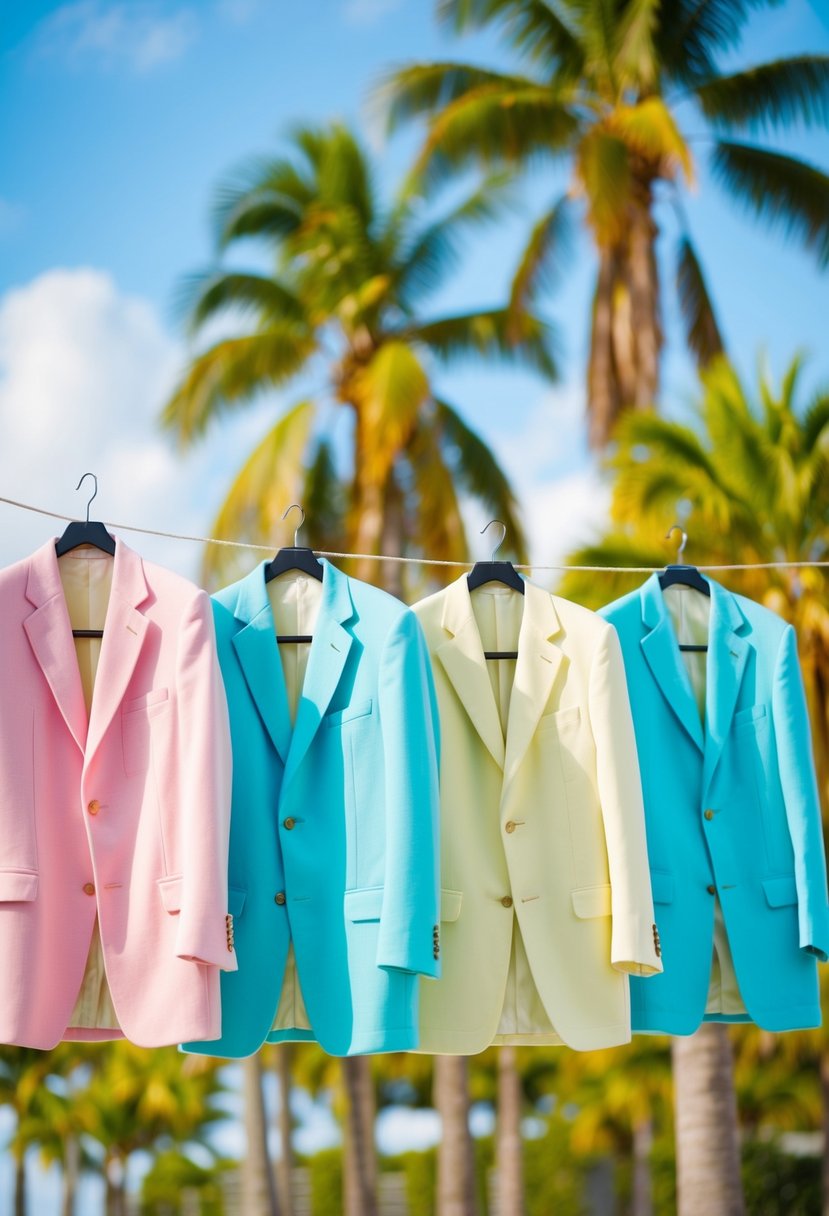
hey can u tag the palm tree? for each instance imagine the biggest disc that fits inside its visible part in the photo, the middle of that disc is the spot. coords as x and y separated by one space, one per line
259 1195
509 1156
341 311
456 1188
612 87
23 1071
753 476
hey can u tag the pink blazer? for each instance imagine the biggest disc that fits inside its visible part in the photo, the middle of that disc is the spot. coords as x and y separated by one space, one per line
125 815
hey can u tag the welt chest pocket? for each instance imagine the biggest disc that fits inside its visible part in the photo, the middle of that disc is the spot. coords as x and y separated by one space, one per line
141 718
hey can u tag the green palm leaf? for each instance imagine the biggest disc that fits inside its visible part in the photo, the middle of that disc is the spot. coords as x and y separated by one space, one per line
543 257
533 27
779 189
201 296
497 333
422 88
702 333
785 91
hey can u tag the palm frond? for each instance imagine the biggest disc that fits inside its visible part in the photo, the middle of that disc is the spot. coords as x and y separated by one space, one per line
267 482
533 27
425 88
649 128
543 256
479 474
231 374
702 333
437 521
692 33
635 61
779 189
388 392
605 176
785 91
496 334
264 196
201 296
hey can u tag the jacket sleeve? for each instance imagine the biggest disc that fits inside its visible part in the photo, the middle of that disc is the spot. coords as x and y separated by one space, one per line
410 919
203 793
800 795
634 941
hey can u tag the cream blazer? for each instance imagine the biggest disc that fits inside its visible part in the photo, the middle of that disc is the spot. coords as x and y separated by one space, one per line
546 898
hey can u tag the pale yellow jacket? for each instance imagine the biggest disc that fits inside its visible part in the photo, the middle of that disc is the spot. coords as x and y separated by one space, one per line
546 899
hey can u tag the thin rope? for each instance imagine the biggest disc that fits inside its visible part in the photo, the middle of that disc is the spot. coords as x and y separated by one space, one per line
413 561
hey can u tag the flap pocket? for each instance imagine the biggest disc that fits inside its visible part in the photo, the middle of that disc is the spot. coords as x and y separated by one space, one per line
745 717
450 904
170 889
359 710
155 697
365 903
236 897
591 901
662 887
17 885
780 891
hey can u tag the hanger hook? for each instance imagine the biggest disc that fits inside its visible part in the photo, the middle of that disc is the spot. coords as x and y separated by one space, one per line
94 492
503 535
295 507
682 543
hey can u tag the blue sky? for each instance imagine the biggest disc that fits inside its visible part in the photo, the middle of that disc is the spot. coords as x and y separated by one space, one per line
118 121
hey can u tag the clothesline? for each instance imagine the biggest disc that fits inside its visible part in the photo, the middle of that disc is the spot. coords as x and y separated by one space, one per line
413 561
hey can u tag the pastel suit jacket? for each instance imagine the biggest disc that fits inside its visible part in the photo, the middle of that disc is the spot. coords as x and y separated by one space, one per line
542 828
732 813
337 817
121 815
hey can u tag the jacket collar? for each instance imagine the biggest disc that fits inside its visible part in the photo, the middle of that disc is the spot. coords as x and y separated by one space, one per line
50 634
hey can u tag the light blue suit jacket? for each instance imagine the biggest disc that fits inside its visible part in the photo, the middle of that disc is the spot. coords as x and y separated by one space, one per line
731 807
339 815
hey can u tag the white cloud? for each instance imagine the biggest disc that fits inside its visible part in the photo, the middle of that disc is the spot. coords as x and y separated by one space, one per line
83 372
366 12
140 36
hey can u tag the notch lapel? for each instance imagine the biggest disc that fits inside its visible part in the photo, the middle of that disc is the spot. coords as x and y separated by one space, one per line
662 654
727 655
329 653
538 664
258 653
49 631
124 631
463 660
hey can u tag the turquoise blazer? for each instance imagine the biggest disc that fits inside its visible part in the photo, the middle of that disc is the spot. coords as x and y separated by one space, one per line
334 823
732 810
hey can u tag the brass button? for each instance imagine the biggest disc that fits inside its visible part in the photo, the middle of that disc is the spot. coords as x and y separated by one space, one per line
288 823
279 898
711 889
507 901
509 826
94 806
89 888
709 814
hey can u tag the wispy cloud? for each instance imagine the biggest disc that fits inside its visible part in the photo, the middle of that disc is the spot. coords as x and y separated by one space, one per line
139 36
366 12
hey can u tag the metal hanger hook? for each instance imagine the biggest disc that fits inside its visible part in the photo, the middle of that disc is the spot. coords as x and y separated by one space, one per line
678 528
295 507
94 492
503 535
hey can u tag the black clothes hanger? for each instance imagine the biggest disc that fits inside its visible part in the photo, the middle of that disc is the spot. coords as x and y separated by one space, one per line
91 532
496 572
685 576
294 557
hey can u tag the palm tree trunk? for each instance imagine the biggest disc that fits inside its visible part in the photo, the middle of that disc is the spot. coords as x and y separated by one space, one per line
509 1149
602 384
20 1183
642 1198
258 1192
285 1165
71 1169
360 1160
707 1140
456 1191
824 1093
643 283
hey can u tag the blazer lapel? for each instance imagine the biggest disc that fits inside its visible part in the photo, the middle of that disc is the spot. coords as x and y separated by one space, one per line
536 669
124 631
49 631
660 648
329 653
258 653
727 654
463 660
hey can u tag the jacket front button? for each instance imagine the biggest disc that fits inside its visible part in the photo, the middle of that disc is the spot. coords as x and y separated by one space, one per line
711 889
94 806
709 814
89 888
507 901
509 826
288 823
279 898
